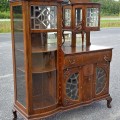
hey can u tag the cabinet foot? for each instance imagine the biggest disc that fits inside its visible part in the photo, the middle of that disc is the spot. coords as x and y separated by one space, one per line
14 114
109 100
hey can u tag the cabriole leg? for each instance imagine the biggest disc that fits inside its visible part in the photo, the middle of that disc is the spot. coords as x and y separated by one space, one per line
14 114
109 99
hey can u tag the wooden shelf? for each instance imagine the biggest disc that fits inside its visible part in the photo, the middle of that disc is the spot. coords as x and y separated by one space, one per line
41 49
43 70
39 70
40 102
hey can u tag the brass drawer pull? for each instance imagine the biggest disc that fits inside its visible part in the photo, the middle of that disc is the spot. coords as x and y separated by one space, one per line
106 58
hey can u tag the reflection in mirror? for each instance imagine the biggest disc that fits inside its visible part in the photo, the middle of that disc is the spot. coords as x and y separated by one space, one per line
79 39
67 38
42 42
78 13
44 89
92 17
44 62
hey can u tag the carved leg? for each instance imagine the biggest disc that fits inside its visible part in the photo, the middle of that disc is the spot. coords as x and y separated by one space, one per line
14 114
109 99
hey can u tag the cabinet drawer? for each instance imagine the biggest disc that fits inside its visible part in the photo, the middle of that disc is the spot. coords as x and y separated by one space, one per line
72 61
87 58
95 57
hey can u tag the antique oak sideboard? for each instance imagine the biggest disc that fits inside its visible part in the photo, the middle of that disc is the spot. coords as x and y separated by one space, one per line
56 67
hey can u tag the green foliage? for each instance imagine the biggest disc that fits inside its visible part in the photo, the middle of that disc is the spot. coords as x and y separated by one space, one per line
109 7
4 5
4 15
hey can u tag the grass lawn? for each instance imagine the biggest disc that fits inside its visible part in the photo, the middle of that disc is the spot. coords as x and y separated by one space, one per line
110 23
5 26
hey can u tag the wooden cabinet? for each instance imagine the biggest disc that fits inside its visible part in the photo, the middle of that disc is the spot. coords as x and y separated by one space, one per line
93 76
55 66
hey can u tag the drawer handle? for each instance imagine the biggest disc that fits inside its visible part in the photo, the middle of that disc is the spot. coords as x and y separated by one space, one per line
106 58
72 61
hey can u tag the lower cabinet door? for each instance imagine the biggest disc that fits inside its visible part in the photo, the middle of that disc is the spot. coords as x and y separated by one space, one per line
72 86
102 79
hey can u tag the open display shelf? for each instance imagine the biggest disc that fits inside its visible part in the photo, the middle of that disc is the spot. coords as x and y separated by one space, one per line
56 67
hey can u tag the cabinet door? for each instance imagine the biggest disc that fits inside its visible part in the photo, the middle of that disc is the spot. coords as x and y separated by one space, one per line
87 82
72 85
101 79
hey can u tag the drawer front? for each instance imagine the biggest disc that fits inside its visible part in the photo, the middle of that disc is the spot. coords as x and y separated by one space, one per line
95 57
72 61
87 58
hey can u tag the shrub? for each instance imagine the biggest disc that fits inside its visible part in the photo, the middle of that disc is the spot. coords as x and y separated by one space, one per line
4 15
109 7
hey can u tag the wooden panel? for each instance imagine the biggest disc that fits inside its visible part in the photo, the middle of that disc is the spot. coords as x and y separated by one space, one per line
88 70
87 88
87 82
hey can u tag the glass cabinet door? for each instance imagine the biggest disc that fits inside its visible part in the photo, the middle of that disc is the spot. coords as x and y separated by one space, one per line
43 17
92 17
44 56
102 76
72 85
19 54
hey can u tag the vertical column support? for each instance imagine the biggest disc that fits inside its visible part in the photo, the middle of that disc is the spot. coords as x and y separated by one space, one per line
27 38
88 39
73 44
59 52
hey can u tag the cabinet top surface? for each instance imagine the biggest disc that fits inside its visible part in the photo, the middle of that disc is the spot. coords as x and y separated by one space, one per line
84 49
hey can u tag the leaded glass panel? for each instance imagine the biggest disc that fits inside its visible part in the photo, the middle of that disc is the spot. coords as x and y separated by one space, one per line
43 17
100 79
72 86
67 17
92 17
